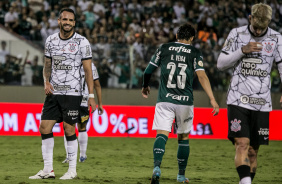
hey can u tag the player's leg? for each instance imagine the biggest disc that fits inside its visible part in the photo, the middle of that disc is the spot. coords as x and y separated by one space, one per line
164 116
259 136
83 136
184 122
253 152
71 116
66 148
49 114
239 133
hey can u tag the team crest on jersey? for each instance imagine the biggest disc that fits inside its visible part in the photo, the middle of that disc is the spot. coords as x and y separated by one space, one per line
235 125
72 47
268 46
200 63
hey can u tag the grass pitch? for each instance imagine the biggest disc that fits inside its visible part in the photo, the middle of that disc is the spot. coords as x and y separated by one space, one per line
130 161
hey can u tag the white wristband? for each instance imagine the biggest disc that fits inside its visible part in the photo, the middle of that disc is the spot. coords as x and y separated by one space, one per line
91 96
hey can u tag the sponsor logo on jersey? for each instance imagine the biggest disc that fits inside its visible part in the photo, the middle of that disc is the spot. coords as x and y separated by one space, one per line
157 56
188 119
179 49
249 67
235 125
62 87
62 67
263 131
200 63
251 100
177 97
72 47
268 47
73 113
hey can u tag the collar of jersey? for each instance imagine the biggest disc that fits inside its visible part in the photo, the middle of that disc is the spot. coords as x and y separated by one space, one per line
182 43
254 35
67 38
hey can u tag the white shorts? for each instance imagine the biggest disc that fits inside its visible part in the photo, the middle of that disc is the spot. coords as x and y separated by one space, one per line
166 112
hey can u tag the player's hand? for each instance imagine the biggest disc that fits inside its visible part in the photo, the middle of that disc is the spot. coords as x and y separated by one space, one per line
145 92
215 107
48 88
252 47
91 102
100 110
281 102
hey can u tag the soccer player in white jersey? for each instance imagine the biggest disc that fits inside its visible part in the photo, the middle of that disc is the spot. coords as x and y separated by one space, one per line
65 53
178 61
84 115
251 51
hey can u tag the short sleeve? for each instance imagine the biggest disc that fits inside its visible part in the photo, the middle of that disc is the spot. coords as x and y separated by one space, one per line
198 61
229 45
47 52
86 51
278 53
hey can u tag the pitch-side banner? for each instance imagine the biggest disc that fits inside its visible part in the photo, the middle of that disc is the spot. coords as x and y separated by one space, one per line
20 119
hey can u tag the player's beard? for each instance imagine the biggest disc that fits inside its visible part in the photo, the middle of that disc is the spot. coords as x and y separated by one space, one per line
66 31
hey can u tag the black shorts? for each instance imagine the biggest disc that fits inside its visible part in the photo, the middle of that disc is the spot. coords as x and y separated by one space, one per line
243 122
84 114
62 108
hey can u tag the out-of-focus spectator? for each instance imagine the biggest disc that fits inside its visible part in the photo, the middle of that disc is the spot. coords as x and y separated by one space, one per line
53 20
3 52
104 72
124 77
179 9
2 13
83 4
26 78
35 5
37 72
11 18
89 16
11 68
241 20
136 9
24 28
114 75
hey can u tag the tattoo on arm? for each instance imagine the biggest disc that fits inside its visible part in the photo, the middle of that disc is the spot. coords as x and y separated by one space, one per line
47 69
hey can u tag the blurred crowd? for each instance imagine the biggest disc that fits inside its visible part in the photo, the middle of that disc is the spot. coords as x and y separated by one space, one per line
124 34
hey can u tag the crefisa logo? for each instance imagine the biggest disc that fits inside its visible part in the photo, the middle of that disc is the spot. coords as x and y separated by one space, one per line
235 125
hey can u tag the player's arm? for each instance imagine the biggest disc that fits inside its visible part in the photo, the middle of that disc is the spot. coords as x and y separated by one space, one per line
204 81
98 90
90 84
146 78
279 65
47 69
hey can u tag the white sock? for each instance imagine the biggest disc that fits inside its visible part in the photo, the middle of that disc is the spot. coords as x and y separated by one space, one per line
83 140
246 180
47 154
66 146
72 154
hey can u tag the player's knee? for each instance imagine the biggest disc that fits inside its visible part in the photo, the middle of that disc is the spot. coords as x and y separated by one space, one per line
242 145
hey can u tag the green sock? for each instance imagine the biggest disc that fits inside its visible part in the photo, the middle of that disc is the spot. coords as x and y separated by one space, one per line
159 149
182 155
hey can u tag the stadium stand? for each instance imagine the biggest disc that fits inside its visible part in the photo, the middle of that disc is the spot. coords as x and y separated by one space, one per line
125 33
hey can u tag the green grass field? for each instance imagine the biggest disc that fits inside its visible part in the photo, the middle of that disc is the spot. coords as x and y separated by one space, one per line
130 161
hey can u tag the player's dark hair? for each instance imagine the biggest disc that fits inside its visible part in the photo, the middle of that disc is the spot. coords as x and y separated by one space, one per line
185 32
67 10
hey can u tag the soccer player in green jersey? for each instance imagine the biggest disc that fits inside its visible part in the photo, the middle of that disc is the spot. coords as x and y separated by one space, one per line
178 61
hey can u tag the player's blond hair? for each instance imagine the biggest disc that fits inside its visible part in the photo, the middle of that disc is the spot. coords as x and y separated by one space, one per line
261 14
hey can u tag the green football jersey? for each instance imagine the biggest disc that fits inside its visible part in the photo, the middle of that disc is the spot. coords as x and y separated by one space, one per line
178 63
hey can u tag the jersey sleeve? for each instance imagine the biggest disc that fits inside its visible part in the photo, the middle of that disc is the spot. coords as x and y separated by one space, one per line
229 45
278 53
47 48
156 58
198 61
95 72
86 51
